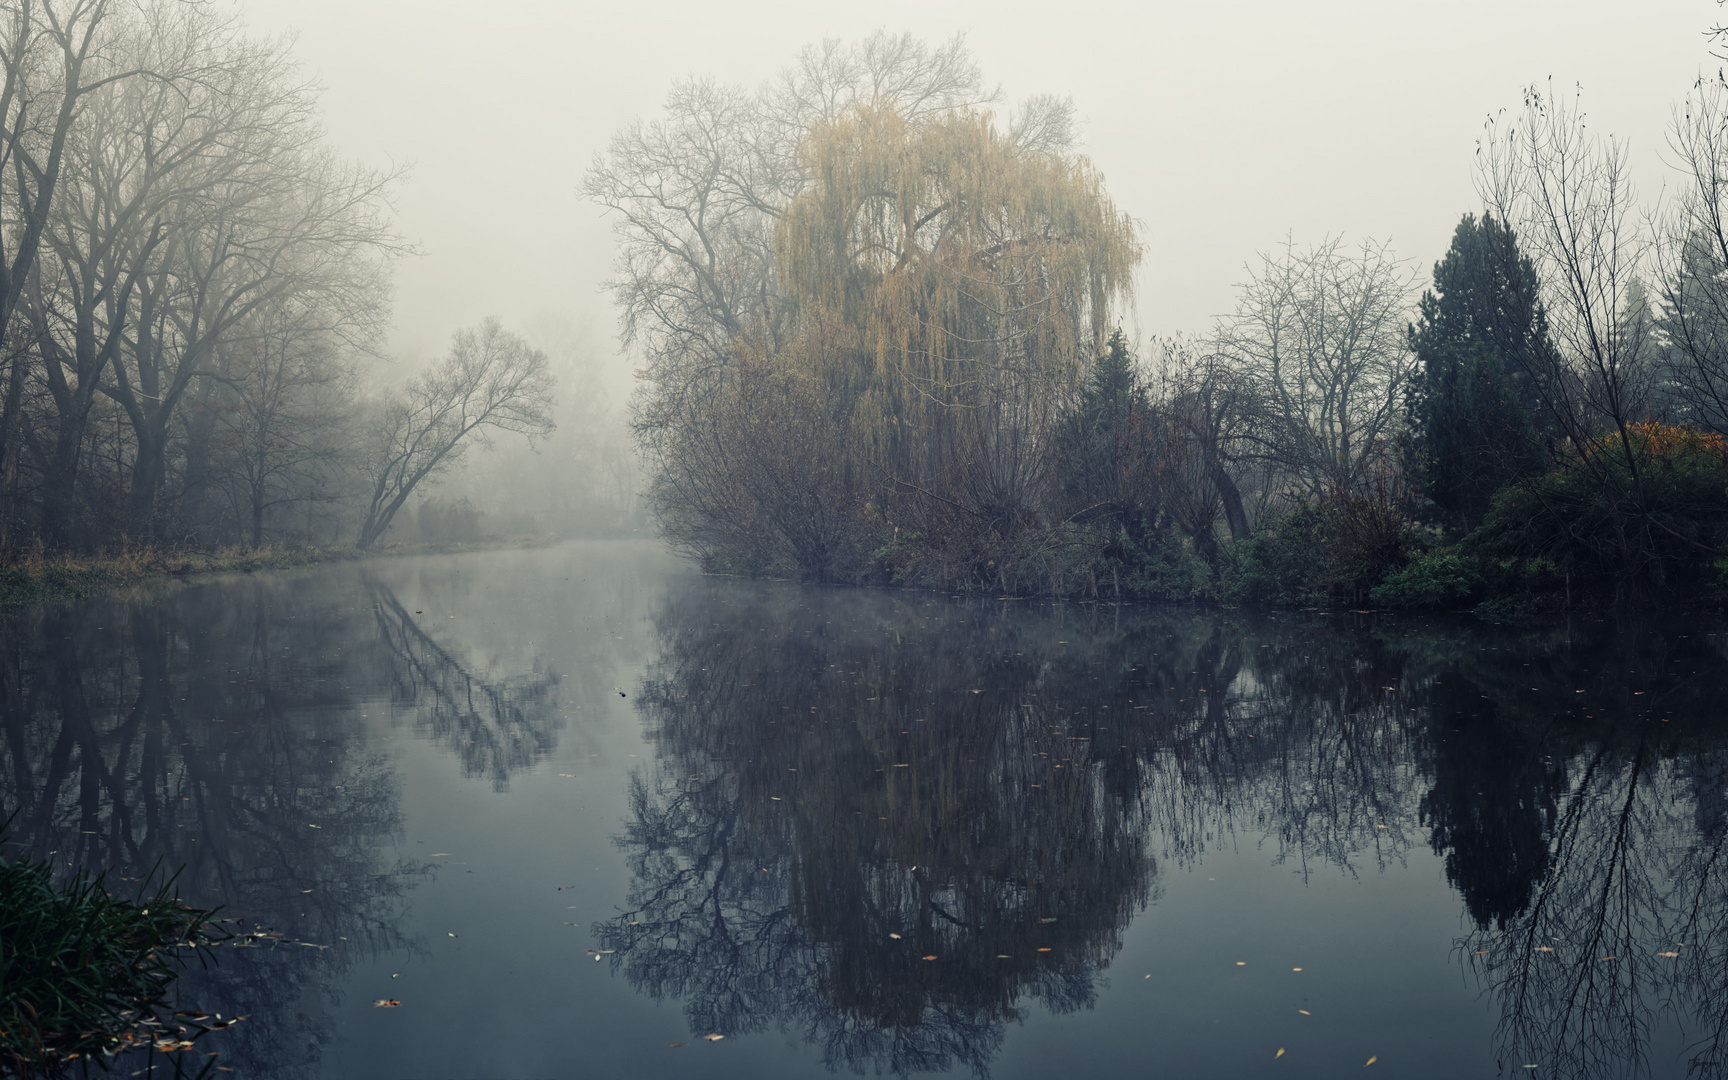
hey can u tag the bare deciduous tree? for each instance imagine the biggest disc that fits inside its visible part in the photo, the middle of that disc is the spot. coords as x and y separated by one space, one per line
1317 346
1569 197
491 380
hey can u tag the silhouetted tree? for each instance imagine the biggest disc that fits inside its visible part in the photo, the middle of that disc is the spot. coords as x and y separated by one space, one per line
1476 421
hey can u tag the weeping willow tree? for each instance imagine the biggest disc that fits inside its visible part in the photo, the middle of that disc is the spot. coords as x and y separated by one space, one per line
948 288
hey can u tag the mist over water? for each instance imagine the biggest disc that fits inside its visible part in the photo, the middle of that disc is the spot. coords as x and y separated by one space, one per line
572 805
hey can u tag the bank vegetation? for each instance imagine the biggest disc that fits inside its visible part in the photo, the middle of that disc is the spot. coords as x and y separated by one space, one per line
881 317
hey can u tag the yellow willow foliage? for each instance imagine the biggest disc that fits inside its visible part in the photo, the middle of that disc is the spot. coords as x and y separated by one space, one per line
932 265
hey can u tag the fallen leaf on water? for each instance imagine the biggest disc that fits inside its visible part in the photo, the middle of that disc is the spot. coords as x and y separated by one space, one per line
1295 969
440 854
776 798
896 937
1241 963
1279 1054
1371 1061
1304 1012
385 1003
1667 954
598 952
395 974
1482 952
452 935
713 1038
903 766
1005 956
674 1044
1047 920
1543 948
1044 950
929 958
1610 958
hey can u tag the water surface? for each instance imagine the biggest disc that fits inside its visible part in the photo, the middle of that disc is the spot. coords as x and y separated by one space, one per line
572 806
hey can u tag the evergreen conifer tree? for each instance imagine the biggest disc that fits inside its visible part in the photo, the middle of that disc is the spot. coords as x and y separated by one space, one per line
1476 421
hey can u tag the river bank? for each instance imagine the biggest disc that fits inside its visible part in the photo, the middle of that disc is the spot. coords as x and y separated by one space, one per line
42 576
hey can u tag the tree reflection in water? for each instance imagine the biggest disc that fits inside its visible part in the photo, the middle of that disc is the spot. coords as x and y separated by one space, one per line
1626 927
997 785
217 729
495 726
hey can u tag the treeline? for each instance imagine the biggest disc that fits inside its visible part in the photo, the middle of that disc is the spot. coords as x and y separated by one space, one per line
194 289
878 327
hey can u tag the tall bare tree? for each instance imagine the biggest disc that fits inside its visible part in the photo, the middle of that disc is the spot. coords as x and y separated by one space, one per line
54 55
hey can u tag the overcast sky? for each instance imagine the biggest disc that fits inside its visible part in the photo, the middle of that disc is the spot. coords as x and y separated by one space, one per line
1219 125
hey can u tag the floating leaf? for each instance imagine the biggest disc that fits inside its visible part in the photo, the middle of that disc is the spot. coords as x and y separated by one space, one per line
385 1003
1044 950
1371 1061
1046 920
713 1038
1543 948
1295 969
1279 1054
1667 954
1304 1012
896 937
674 1044
1241 963
930 958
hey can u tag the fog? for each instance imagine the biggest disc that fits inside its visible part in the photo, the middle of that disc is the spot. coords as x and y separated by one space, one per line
1221 127
384 215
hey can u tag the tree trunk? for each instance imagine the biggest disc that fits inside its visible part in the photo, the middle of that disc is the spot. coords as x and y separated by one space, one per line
59 490
9 439
1231 496
148 474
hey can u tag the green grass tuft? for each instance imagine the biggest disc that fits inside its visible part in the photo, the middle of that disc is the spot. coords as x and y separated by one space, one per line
85 975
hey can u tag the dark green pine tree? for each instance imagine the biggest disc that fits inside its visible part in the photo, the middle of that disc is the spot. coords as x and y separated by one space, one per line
1477 421
1105 445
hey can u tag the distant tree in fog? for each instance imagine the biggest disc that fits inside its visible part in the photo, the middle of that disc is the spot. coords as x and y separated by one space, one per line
1317 342
280 419
173 219
492 380
695 196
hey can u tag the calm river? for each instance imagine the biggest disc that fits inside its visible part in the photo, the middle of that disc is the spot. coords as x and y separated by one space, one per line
580 810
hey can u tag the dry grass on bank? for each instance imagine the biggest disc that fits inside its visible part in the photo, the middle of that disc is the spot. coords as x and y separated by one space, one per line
38 576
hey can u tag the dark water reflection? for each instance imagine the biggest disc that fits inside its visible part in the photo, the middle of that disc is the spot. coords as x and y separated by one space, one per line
896 828
999 786
216 732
